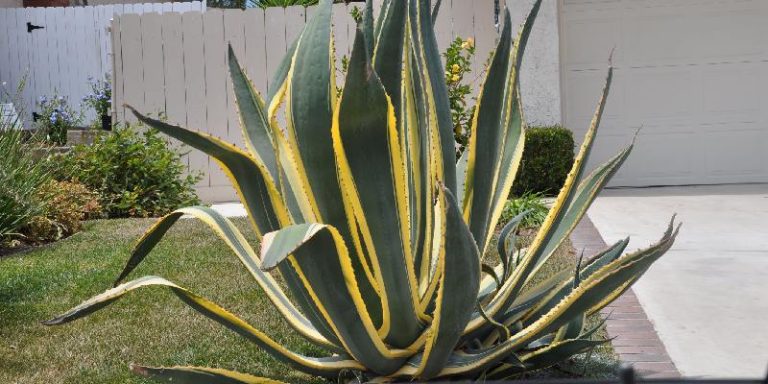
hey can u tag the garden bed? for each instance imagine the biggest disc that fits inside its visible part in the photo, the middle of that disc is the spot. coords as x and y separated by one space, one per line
152 326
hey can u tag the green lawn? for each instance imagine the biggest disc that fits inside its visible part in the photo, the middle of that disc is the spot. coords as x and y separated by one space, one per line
151 326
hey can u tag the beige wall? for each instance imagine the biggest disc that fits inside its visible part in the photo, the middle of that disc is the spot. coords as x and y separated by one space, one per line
11 3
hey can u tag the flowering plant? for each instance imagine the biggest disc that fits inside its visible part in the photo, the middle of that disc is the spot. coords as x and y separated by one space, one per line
55 117
100 98
458 59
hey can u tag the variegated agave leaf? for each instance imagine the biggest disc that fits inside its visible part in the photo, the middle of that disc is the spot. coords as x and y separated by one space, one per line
355 202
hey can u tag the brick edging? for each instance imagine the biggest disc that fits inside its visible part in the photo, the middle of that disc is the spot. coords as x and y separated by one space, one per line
634 338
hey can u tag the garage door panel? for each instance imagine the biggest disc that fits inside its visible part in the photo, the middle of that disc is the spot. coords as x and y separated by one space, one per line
590 40
734 92
735 153
659 93
655 158
693 74
583 93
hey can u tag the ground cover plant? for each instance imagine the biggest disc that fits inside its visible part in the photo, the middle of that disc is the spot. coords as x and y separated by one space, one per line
378 233
531 207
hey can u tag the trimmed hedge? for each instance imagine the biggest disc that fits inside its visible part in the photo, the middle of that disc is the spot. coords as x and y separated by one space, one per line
547 159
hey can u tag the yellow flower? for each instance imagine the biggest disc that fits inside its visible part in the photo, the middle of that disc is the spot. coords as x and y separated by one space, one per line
455 68
468 43
455 78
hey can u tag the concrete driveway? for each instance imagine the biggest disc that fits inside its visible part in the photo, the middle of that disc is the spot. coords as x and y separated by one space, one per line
708 297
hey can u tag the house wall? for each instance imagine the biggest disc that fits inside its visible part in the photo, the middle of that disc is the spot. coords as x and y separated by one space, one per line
540 75
11 3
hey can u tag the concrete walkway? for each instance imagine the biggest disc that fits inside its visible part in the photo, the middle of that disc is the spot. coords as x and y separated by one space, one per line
708 297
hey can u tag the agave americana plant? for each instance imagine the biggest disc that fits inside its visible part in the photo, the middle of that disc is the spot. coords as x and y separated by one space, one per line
375 228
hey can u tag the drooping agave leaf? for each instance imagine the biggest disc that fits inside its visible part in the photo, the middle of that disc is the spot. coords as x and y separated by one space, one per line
196 375
330 366
255 186
227 231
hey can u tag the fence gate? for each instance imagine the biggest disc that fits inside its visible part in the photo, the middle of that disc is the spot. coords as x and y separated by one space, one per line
56 50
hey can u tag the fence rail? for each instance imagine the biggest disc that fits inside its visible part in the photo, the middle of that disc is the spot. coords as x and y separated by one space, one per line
73 45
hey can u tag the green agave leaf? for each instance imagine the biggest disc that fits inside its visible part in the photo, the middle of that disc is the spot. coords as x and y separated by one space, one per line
585 195
459 271
254 119
566 286
390 42
327 366
365 137
436 12
545 357
498 134
196 375
253 182
280 79
589 294
367 27
488 131
311 98
515 283
258 128
321 258
430 74
227 231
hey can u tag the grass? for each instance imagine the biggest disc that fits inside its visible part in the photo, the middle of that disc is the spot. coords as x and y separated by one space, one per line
150 326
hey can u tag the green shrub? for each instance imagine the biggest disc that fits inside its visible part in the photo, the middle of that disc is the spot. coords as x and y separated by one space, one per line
135 173
21 175
532 203
67 204
547 158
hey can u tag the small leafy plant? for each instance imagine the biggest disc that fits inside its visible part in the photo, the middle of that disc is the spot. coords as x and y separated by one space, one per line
530 205
458 59
136 173
100 97
56 116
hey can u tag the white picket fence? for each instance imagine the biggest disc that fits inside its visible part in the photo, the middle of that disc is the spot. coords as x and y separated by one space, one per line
176 63
74 44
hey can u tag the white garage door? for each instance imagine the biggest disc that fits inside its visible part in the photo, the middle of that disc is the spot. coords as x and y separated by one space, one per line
692 73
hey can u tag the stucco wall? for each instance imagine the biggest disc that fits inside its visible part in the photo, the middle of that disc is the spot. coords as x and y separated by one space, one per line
11 3
540 76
